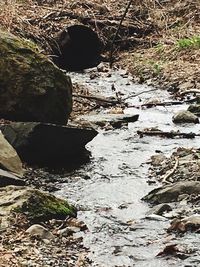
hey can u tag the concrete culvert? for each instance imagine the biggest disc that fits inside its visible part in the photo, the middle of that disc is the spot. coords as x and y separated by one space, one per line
79 47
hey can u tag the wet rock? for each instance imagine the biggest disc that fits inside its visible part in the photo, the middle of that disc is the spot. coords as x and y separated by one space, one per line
8 178
158 159
32 87
185 117
35 204
48 143
170 193
115 120
174 250
79 48
39 231
9 160
195 109
191 223
160 209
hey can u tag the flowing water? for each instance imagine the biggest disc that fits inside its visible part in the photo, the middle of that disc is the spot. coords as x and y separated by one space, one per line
108 189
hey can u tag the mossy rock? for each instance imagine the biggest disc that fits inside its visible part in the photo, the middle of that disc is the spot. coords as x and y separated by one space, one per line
43 206
36 205
32 88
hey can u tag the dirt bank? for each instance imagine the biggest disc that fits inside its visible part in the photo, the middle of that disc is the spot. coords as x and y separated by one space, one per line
158 42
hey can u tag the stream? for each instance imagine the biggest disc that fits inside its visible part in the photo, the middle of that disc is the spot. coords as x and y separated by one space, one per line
108 189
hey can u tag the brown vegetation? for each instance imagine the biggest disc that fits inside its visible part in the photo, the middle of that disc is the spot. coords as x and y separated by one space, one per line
158 41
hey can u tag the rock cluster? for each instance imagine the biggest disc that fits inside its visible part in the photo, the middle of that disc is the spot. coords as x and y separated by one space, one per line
178 197
35 104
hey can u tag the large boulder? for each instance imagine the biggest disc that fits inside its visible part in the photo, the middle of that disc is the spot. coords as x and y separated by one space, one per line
32 88
36 205
48 144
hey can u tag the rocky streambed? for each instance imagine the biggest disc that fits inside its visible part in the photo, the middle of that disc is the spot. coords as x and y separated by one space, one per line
134 191
134 157
125 166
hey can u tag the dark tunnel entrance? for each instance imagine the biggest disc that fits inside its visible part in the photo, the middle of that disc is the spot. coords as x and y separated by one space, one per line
79 47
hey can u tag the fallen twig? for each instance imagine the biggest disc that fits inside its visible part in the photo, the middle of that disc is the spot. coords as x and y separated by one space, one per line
166 176
166 103
170 134
96 98
143 92
191 91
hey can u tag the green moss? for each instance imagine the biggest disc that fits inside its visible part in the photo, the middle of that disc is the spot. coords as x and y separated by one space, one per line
32 87
41 206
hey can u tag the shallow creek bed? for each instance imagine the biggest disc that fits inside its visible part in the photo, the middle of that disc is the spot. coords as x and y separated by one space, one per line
137 197
110 190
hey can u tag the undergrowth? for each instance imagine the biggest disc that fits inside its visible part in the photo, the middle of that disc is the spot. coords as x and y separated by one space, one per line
193 42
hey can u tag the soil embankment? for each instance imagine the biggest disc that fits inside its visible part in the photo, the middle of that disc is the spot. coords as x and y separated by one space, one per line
158 40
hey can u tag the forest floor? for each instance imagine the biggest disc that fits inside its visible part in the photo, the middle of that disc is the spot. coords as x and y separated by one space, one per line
158 41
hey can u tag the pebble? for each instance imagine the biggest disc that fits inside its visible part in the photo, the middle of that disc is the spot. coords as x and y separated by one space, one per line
160 209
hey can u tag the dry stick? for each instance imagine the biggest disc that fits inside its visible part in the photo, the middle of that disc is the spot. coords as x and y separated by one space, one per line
113 102
143 92
171 172
192 91
165 103
117 32
167 134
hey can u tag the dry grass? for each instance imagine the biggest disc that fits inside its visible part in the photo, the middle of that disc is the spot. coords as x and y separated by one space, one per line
164 62
41 20
152 53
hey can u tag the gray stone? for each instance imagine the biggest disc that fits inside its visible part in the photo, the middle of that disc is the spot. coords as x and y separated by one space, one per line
68 231
116 120
8 178
185 117
160 209
170 193
32 87
48 144
9 160
39 231
64 232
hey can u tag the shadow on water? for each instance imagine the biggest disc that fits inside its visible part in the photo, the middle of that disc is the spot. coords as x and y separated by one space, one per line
109 188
